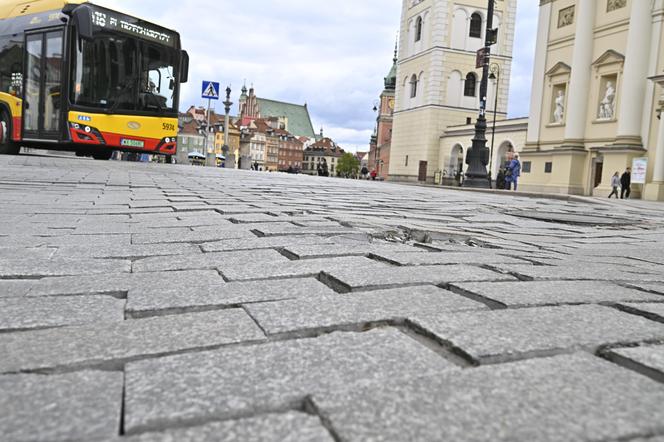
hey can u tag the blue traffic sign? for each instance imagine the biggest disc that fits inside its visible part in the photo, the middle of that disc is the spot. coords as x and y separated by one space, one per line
210 90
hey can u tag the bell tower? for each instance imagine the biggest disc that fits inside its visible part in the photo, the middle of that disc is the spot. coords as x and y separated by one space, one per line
437 83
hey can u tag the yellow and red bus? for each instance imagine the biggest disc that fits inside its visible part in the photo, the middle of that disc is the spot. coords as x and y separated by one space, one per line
79 77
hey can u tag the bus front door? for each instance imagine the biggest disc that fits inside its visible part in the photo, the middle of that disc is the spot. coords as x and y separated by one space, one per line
42 111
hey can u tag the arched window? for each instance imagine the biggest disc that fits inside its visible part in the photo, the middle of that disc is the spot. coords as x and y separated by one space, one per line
469 87
418 29
413 86
476 25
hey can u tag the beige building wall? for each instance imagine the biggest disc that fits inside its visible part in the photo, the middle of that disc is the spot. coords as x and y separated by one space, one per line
439 62
584 49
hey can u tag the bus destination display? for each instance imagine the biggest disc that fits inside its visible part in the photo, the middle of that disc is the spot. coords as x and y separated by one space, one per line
129 25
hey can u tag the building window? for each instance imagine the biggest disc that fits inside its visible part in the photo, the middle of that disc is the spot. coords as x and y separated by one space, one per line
418 29
406 160
566 17
470 85
469 120
476 25
527 165
413 86
548 167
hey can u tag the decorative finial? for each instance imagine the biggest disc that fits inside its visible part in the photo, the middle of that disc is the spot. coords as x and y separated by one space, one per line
396 48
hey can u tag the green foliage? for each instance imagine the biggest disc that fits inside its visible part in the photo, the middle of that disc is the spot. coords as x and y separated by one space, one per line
348 165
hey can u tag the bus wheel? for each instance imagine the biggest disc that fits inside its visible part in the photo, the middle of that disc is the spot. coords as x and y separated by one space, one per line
7 146
102 155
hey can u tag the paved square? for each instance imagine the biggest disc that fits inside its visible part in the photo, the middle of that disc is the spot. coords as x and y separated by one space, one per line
145 302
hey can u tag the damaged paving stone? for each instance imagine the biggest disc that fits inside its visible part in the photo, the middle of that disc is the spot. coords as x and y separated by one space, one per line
263 378
564 398
113 344
394 305
505 335
76 406
352 280
540 293
654 311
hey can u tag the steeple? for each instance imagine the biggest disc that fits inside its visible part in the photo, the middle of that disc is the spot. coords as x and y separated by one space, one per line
391 79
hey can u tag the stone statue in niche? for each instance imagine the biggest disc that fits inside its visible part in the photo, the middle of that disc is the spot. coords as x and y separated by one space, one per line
559 113
607 107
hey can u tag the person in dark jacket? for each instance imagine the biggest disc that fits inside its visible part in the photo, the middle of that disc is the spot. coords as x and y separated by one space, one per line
626 184
500 179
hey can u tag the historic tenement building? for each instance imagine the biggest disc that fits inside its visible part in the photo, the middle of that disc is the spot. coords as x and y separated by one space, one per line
597 96
437 81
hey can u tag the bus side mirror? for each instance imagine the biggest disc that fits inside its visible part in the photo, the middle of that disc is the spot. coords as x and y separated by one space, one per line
81 16
184 67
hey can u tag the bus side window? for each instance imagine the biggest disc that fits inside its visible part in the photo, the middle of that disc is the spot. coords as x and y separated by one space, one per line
11 64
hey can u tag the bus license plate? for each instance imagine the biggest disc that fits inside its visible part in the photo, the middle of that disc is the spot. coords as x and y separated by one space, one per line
132 143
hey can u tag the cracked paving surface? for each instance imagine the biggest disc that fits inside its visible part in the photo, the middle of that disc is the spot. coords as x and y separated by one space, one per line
143 302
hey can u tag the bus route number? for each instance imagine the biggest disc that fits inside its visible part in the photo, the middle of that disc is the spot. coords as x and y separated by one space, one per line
168 126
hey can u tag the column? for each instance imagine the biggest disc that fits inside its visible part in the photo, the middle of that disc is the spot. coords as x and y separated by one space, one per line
658 172
537 91
579 85
634 80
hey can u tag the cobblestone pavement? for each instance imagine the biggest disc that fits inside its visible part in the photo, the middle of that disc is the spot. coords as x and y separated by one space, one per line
151 302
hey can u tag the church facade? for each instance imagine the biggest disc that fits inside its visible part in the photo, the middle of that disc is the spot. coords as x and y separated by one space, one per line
438 84
597 97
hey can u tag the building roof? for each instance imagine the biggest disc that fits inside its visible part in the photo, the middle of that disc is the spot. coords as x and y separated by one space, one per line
299 120
325 147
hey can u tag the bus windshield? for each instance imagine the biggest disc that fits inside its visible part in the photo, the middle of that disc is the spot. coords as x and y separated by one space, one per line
119 73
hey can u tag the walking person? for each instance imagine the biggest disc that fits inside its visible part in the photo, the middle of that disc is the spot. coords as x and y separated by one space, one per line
513 173
626 184
615 183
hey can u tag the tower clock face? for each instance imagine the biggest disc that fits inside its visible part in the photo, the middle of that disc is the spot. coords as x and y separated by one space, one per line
390 103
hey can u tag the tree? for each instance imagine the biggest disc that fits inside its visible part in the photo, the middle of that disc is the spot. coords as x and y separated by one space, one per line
348 165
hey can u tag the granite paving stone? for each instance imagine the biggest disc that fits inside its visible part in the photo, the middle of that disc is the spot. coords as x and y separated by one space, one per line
540 293
565 398
27 313
270 377
119 284
209 260
394 305
193 237
503 335
649 356
446 258
240 305
148 301
270 242
389 276
112 344
284 427
652 310
35 268
11 288
76 406
252 270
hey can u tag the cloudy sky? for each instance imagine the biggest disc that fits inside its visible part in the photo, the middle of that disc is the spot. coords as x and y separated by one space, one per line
332 55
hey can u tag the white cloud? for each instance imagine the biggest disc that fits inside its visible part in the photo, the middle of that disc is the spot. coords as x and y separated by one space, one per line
332 55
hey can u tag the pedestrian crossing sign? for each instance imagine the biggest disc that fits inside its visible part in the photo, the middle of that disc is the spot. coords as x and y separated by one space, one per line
210 90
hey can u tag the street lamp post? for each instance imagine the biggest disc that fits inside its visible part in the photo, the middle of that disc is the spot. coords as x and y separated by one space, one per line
495 75
477 158
225 149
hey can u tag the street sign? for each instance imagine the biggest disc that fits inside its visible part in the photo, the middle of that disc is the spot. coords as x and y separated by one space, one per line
481 58
639 170
210 90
